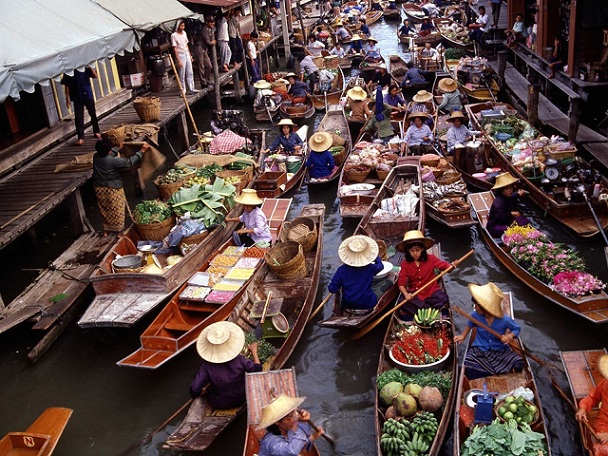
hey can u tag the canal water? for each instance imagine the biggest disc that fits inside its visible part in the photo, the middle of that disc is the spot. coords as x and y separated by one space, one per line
115 407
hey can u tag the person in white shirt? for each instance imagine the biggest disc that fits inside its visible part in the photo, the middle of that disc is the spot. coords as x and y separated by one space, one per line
431 9
429 52
338 50
314 47
252 57
183 59
458 133
481 25
224 53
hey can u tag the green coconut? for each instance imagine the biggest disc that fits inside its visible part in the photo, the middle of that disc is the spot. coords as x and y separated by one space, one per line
389 392
405 405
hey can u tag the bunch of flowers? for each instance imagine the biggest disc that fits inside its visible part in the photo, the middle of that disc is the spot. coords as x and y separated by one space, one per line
416 347
576 283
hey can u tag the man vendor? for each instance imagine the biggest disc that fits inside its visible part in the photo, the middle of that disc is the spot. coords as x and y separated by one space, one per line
298 89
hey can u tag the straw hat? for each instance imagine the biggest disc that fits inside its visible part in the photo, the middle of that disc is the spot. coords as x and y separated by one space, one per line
262 85
287 122
456 115
249 197
357 93
413 115
220 342
422 96
504 180
338 23
489 297
279 408
371 38
602 365
358 251
291 75
356 37
448 85
414 237
320 141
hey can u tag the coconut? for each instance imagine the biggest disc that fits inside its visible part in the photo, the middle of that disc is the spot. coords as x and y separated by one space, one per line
430 399
389 392
405 405
413 390
391 413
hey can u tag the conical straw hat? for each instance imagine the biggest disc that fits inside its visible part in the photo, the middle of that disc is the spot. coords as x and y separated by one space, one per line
457 115
448 85
249 197
357 93
422 96
220 342
358 251
286 122
489 297
414 237
277 409
504 180
320 141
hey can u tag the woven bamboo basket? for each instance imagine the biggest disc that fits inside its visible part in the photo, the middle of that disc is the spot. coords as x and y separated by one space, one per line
552 151
301 230
382 250
116 135
430 163
166 190
382 174
337 140
279 86
193 240
155 231
339 157
286 260
448 178
357 176
245 174
147 108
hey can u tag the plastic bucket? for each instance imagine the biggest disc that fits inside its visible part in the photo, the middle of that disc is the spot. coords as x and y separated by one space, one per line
294 164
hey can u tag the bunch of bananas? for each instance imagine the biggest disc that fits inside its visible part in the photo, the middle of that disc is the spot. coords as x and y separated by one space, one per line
394 438
425 424
426 316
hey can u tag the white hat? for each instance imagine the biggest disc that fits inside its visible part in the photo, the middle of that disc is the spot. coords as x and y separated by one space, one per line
220 342
358 251
249 197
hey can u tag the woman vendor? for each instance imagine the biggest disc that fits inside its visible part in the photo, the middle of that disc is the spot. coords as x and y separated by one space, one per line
417 269
288 139
451 96
597 395
393 100
364 27
502 212
107 182
372 51
489 355
320 164
287 430
358 102
354 278
458 133
298 90
419 136
223 366
413 77
255 227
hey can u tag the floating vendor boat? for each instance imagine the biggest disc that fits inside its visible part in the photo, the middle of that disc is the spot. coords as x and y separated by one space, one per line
397 68
433 37
476 79
454 35
371 17
289 304
322 99
392 368
592 306
474 403
391 13
386 223
557 179
298 112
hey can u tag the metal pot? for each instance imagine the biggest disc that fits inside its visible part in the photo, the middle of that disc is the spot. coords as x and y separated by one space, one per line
156 65
128 262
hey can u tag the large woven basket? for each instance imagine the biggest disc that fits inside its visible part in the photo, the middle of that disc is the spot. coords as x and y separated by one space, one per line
147 108
332 62
356 176
155 231
302 230
337 140
339 157
286 260
382 174
319 61
116 135
448 178
166 190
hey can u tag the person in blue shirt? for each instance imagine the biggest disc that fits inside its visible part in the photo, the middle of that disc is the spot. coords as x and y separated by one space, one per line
298 89
393 100
406 29
364 27
320 164
356 45
488 354
426 27
354 278
413 76
288 139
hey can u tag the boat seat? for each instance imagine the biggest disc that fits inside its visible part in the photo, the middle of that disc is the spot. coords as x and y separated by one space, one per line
175 326
202 307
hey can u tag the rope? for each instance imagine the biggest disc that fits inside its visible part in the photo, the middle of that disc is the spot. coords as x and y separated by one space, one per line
68 267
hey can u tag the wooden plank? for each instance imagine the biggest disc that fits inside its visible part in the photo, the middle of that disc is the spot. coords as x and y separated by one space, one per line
119 310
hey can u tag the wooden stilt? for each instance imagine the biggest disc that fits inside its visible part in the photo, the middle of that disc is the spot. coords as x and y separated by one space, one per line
502 64
574 112
182 131
32 235
533 97
217 87
2 305
78 217
236 82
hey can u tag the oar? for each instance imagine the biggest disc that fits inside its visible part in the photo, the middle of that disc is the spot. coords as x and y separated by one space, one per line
268 298
569 401
595 217
376 322
325 436
316 311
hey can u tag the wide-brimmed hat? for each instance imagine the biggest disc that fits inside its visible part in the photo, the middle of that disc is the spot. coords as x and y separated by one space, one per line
262 85
489 297
382 66
602 365
457 115
291 75
278 409
249 197
371 38
356 93
358 251
320 141
286 122
266 92
414 237
448 85
413 115
355 37
220 342
504 180
338 23
422 96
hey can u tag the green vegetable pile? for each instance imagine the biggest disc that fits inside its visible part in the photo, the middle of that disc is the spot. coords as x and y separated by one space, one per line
210 203
265 349
209 170
153 211
405 438
440 380
504 439
240 165
454 53
175 175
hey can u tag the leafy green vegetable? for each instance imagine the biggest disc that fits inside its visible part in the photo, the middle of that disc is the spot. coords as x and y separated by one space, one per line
454 53
265 349
504 439
210 203
209 170
153 211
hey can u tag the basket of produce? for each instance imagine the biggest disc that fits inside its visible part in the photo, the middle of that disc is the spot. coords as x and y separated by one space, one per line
382 171
430 160
147 108
358 173
336 139
239 178
452 205
561 151
301 230
448 177
170 182
518 409
287 260
153 220
339 154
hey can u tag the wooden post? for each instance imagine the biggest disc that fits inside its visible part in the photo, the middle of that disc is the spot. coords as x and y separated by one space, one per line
182 131
302 22
78 216
217 87
2 305
574 113
502 64
236 82
533 97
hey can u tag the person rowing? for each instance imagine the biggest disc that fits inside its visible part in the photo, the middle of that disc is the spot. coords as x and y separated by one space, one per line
597 395
288 139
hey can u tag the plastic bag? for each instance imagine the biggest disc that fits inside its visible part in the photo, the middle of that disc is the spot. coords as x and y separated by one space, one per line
519 391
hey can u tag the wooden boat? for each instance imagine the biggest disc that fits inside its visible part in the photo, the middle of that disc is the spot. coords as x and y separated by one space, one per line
355 58
321 100
443 417
269 111
372 17
397 68
452 41
367 69
485 90
434 38
574 213
593 307
292 298
179 324
583 375
261 389
413 12
391 13
272 184
501 384
40 439
334 120
388 230
297 113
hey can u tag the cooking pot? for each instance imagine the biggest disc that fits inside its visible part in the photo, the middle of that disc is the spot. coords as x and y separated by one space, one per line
128 262
156 65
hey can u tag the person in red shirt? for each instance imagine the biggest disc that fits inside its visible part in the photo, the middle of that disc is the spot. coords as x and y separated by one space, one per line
417 269
597 395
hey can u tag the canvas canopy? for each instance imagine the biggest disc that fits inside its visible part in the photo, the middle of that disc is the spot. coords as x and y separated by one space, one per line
144 15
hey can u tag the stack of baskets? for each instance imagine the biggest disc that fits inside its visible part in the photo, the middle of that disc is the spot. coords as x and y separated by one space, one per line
302 230
147 108
286 260
155 231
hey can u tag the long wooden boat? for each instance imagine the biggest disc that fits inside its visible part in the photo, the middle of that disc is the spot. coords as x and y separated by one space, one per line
501 384
583 375
334 120
272 184
397 68
391 13
444 415
40 438
390 231
292 298
434 38
480 92
261 389
554 198
297 113
371 17
179 324
593 307
321 100
452 41
413 12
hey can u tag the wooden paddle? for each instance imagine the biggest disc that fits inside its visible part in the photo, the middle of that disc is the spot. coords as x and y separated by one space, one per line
569 401
316 311
595 217
268 298
362 332
325 436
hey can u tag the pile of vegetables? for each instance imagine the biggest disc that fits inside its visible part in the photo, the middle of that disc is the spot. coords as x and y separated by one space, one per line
518 409
265 349
456 32
210 203
175 175
504 439
454 53
409 438
415 347
440 380
148 212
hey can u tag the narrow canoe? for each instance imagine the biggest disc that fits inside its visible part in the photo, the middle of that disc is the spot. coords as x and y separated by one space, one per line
502 384
593 307
583 375
372 17
413 12
388 232
297 113
367 69
391 13
181 321
294 299
397 68
321 100
434 38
